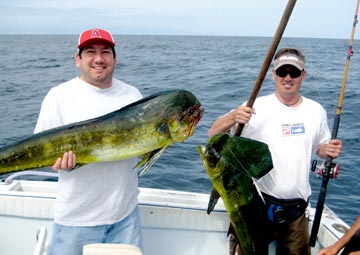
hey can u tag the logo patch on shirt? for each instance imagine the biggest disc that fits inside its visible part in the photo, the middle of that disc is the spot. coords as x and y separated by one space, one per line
294 129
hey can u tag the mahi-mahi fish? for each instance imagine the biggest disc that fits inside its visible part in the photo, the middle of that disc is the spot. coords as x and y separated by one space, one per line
233 163
144 129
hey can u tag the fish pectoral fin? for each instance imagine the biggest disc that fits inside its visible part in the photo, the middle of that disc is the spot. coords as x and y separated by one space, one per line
144 159
149 159
214 197
258 189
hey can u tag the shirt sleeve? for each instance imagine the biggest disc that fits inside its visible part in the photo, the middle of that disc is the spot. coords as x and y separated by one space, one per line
50 114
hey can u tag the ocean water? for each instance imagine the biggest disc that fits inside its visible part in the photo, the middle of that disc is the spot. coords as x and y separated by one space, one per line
220 71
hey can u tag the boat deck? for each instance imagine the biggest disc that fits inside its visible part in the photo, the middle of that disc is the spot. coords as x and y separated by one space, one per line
174 222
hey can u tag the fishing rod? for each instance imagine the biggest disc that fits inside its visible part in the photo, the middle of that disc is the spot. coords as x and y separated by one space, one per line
328 171
268 58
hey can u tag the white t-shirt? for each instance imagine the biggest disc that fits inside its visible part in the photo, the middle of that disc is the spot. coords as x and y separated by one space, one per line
97 193
292 134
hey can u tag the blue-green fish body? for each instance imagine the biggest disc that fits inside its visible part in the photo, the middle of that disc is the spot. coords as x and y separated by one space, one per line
145 128
232 163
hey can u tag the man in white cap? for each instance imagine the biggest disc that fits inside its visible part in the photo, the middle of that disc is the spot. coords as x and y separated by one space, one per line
96 203
293 127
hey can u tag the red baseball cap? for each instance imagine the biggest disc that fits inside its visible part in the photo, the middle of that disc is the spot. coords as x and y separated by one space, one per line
95 35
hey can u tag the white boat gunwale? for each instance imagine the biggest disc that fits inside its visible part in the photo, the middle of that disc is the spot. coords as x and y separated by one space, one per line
166 214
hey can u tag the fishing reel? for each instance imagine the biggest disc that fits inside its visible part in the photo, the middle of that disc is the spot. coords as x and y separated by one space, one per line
320 170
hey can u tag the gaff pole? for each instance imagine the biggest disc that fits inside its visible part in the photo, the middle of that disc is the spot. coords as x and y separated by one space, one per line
268 58
257 85
328 172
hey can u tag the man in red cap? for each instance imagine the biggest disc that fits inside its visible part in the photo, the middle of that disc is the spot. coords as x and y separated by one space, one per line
97 203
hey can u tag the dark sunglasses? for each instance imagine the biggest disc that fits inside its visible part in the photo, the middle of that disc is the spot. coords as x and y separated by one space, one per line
282 72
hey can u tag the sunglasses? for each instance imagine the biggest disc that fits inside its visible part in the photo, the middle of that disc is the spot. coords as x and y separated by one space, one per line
283 72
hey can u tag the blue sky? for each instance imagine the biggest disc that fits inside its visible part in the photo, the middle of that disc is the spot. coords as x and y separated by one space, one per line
310 18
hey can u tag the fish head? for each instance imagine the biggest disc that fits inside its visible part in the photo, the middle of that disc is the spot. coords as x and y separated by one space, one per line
185 114
190 118
211 160
232 163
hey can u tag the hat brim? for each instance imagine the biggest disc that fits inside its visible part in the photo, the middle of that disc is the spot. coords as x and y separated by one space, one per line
289 62
93 40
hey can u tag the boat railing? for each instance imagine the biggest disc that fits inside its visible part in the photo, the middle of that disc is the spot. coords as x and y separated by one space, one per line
9 179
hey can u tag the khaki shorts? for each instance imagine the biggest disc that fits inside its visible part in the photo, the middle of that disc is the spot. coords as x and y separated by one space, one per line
293 238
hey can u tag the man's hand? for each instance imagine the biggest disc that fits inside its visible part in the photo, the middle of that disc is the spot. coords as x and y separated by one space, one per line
67 162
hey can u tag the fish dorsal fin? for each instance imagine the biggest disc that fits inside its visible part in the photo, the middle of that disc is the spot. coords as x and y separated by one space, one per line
149 159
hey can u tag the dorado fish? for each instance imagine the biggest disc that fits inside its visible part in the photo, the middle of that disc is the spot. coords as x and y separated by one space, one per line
232 164
145 128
